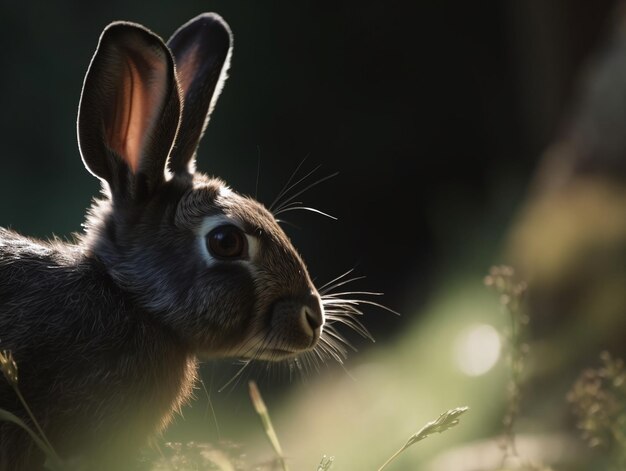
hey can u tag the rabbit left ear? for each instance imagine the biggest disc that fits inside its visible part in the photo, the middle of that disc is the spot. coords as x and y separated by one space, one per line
202 49
129 110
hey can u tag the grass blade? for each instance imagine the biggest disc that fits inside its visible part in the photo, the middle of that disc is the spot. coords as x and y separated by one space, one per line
261 409
445 421
52 461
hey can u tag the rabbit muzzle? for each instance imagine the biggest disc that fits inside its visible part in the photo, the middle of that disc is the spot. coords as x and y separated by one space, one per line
296 324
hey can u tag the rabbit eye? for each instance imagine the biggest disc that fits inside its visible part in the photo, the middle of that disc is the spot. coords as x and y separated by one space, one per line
227 242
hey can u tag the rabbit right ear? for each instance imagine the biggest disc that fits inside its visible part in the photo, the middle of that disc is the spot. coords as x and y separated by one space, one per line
202 49
129 110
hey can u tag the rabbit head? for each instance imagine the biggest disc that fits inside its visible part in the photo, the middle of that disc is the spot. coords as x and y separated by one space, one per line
212 266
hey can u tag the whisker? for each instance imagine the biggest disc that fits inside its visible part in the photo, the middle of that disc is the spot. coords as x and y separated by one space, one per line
306 188
250 344
293 203
356 325
337 336
335 349
299 368
342 308
332 350
261 344
340 304
317 355
305 208
282 221
325 289
287 186
381 306
325 285
350 293
295 184
315 359
304 363
246 363
361 301
258 172
210 402
347 311
268 363
345 370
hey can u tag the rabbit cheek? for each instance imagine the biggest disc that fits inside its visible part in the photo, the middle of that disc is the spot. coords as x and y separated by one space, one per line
226 319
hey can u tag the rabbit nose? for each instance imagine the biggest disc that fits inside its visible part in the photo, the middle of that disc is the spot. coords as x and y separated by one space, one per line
298 321
312 316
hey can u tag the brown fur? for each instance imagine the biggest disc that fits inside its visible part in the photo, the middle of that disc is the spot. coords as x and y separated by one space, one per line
106 331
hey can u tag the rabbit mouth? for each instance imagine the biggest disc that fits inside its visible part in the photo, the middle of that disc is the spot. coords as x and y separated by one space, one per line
277 354
268 353
268 350
290 327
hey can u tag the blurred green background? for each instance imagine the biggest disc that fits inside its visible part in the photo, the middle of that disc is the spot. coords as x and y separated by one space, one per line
465 134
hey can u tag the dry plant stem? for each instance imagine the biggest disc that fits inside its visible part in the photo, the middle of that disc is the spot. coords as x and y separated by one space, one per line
514 393
502 280
394 456
32 417
10 372
53 462
261 409
445 421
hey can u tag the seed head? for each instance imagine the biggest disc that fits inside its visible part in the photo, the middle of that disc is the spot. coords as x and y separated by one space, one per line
8 367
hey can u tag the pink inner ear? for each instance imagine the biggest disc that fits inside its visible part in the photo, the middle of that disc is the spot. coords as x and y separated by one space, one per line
137 104
186 68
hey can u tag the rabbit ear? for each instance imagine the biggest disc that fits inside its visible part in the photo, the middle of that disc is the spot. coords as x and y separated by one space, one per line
201 49
129 110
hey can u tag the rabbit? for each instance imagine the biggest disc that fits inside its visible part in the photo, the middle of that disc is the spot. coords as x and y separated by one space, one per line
173 265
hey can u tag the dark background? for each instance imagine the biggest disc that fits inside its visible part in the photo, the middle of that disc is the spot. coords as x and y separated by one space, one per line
434 114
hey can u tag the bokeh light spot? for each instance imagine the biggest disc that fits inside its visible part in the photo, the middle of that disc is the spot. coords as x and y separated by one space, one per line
477 349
